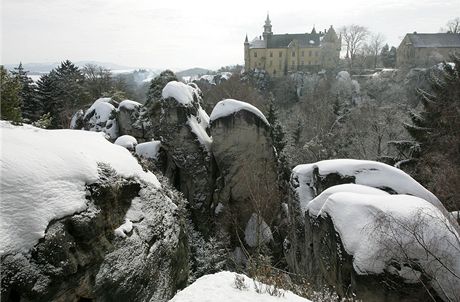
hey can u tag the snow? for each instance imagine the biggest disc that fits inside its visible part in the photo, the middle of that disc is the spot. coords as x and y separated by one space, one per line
129 105
148 149
179 91
126 141
257 231
204 118
357 216
368 173
230 106
200 132
315 206
44 173
220 287
124 229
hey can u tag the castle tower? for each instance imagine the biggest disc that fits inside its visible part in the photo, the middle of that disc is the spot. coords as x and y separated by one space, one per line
246 54
267 28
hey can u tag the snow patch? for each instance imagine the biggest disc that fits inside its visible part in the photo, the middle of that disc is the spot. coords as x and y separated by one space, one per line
179 91
129 105
200 132
220 287
257 231
230 106
149 149
126 141
124 229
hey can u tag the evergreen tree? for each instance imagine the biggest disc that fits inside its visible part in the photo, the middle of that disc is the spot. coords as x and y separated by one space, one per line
31 109
384 53
388 56
157 85
276 130
392 57
46 97
62 92
297 132
436 134
10 94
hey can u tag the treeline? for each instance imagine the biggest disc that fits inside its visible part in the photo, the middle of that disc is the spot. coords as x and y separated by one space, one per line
51 102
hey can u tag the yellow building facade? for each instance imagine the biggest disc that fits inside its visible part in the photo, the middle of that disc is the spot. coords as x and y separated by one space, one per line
284 53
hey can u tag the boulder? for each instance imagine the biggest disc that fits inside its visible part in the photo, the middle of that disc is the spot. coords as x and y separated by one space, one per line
131 120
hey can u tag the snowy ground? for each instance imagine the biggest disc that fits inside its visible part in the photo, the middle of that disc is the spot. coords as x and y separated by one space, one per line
220 287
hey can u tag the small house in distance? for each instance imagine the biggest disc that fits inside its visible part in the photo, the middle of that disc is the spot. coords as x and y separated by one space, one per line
423 50
279 54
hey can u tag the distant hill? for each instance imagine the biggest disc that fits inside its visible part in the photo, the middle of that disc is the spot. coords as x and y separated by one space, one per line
40 68
193 72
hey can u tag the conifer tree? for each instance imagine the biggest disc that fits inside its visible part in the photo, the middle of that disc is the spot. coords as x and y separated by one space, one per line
436 134
46 97
31 109
157 85
10 93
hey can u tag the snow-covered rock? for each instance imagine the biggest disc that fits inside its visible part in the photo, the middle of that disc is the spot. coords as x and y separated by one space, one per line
101 117
126 141
129 105
369 173
180 123
132 121
44 173
220 287
80 219
229 106
148 149
247 164
180 92
352 226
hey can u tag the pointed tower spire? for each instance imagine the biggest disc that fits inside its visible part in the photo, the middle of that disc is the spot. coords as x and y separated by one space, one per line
246 40
267 27
313 31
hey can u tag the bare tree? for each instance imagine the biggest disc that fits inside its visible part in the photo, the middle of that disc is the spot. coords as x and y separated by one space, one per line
375 45
354 37
452 26
426 245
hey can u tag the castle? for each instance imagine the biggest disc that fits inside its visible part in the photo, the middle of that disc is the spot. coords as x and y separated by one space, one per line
284 53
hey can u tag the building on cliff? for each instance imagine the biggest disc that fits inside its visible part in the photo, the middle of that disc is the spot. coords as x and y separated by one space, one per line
283 53
421 49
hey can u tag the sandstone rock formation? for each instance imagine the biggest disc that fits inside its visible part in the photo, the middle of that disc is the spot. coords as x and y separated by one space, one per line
342 213
246 161
81 257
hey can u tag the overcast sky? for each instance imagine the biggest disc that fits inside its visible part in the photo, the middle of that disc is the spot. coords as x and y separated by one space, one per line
181 34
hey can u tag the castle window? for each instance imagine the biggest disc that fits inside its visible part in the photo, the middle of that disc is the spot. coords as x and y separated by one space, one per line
293 53
255 54
280 54
271 54
302 54
309 53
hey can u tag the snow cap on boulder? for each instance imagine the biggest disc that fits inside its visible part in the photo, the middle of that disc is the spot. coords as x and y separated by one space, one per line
230 106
